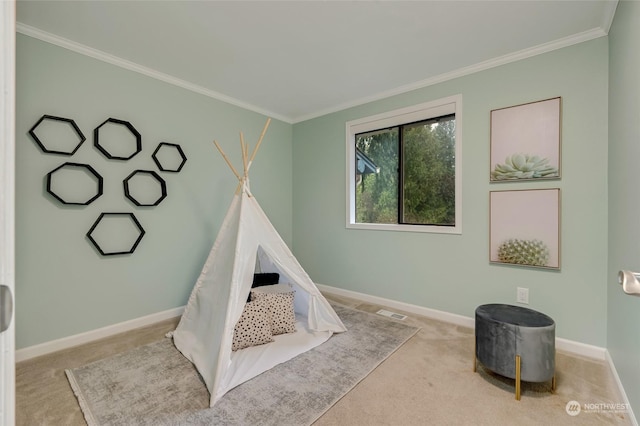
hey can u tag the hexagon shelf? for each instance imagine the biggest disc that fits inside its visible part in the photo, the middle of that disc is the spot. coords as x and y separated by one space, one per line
116 233
169 157
117 139
145 188
57 135
74 183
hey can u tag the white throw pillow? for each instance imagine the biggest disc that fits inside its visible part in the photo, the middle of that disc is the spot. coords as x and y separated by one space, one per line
279 299
274 288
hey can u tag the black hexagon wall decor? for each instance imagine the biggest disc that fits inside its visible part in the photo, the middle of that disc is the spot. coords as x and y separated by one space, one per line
74 183
116 233
145 188
169 157
117 139
57 135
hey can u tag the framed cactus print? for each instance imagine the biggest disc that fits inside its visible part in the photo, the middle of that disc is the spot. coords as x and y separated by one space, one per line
524 227
525 141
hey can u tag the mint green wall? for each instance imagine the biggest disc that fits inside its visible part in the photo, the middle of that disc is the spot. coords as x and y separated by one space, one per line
623 337
63 286
452 272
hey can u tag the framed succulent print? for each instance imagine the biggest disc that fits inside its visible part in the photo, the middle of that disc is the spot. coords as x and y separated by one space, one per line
525 141
525 227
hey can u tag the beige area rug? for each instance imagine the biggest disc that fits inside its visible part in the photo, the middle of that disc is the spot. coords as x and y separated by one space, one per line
156 385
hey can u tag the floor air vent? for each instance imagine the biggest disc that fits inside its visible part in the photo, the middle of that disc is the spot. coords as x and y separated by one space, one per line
391 314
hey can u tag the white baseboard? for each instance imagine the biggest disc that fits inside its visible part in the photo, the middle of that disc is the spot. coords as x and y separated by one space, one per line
623 394
89 336
579 348
407 307
78 339
565 345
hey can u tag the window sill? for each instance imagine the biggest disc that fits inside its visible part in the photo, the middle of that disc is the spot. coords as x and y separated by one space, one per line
406 228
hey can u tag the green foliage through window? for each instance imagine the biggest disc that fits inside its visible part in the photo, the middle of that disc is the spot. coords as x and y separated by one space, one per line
414 182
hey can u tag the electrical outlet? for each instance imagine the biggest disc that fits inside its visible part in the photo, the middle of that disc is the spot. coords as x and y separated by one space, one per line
522 295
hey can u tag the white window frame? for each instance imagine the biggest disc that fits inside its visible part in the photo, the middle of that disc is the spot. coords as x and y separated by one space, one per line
411 114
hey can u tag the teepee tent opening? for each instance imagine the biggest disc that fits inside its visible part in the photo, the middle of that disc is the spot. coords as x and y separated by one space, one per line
247 243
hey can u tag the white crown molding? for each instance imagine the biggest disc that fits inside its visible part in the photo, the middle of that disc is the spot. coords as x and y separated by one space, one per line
609 12
461 72
570 346
100 333
132 66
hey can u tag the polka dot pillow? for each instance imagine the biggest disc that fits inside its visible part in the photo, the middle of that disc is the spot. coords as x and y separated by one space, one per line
279 299
254 326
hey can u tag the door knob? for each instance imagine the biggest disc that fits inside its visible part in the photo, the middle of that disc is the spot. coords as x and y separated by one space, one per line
6 307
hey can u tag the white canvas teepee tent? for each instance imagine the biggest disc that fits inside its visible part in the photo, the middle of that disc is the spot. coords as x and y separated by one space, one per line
247 242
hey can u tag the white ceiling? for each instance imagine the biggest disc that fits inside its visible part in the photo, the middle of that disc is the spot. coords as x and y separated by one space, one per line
295 60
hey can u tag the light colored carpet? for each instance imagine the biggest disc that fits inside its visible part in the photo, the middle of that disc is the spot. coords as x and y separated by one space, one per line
428 381
156 385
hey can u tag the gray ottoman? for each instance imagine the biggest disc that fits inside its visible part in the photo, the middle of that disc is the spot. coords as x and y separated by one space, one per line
516 342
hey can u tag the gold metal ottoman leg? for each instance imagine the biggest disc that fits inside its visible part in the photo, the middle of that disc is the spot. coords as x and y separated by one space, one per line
475 359
518 377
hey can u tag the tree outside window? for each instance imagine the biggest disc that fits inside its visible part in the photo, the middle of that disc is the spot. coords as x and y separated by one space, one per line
415 183
404 169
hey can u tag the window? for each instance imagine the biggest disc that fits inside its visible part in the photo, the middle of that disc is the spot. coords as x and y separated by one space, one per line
404 169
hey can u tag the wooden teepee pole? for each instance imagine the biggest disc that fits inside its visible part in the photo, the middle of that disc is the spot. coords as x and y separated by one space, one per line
246 162
244 150
255 150
233 169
